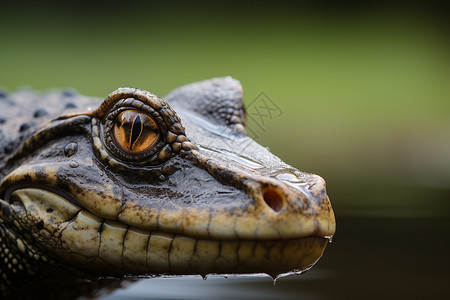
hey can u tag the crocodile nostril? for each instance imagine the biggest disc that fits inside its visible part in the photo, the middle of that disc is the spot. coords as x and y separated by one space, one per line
273 198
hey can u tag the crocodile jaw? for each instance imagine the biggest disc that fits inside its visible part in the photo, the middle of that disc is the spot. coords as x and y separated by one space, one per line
111 248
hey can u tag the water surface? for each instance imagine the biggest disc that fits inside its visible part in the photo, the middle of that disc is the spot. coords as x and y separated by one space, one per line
369 258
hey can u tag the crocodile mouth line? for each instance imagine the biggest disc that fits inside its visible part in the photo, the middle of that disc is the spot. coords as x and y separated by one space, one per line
114 248
58 196
50 189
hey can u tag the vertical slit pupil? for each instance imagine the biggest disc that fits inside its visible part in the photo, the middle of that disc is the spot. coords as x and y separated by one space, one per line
135 131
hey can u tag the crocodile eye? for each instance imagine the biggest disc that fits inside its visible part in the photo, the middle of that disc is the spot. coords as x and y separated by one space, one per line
135 132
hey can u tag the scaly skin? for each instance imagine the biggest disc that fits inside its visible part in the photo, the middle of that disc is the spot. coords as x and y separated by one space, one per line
202 198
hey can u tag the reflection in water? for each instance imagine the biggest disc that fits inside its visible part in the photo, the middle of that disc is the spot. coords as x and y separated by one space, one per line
370 258
193 287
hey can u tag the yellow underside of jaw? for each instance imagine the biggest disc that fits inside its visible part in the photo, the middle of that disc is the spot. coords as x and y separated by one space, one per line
108 247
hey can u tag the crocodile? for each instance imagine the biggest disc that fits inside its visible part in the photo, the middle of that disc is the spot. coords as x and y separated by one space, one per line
135 185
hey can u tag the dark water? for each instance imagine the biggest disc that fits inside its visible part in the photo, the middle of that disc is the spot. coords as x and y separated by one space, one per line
369 258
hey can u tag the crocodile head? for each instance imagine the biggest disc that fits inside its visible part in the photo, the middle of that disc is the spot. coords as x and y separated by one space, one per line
138 185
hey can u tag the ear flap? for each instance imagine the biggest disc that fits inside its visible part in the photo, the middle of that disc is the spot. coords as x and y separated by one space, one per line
219 100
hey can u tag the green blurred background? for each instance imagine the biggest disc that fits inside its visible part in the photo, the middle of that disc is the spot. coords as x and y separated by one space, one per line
364 89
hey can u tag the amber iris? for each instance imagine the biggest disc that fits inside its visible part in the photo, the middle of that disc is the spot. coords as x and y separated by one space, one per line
135 132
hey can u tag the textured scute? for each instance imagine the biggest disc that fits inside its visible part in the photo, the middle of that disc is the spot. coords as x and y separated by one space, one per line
218 100
25 110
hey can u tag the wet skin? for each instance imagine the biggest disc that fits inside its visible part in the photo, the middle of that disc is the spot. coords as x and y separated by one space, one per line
138 185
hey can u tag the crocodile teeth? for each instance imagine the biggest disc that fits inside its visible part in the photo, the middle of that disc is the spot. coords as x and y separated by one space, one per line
112 248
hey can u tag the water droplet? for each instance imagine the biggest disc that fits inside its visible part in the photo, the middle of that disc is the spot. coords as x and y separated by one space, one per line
293 272
70 149
73 164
